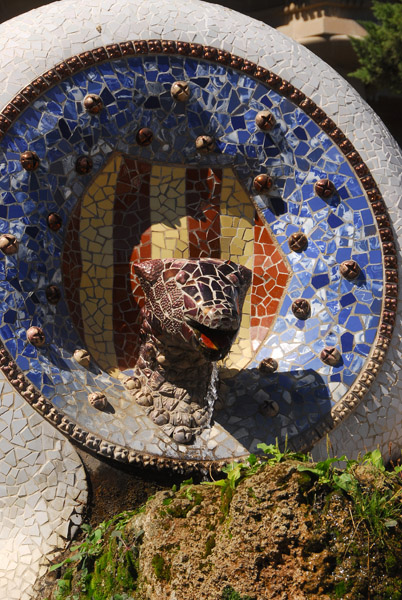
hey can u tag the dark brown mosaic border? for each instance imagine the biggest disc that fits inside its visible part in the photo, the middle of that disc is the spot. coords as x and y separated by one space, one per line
357 391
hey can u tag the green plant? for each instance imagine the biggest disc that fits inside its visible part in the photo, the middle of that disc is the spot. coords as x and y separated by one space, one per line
104 562
230 594
209 545
278 456
64 585
380 50
161 568
235 473
376 494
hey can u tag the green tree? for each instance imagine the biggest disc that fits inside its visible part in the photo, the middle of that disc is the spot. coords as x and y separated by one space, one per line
380 51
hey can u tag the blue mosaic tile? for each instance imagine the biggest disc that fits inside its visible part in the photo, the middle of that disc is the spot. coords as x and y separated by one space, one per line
224 103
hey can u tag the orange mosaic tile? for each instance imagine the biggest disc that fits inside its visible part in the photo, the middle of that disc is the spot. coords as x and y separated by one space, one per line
270 277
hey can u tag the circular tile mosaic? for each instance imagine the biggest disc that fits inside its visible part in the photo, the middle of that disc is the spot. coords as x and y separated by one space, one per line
161 149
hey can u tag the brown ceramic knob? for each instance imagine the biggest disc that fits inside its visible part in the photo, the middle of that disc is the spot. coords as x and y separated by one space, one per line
265 120
8 244
180 91
93 104
301 309
349 269
98 400
29 160
82 357
36 337
269 409
268 365
54 221
298 241
262 183
204 144
84 165
144 136
53 294
324 188
330 356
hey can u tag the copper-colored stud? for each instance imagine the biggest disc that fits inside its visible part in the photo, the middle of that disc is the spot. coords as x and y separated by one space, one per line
204 144
262 183
298 241
29 160
391 289
331 356
54 221
390 262
98 400
324 188
82 357
265 120
8 244
144 136
53 294
349 269
84 165
269 408
390 304
301 309
268 365
93 104
36 337
180 91
386 234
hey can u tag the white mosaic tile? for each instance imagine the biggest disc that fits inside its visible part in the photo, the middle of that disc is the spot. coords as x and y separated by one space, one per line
40 492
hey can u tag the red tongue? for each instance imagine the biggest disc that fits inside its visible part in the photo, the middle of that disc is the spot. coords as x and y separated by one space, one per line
207 342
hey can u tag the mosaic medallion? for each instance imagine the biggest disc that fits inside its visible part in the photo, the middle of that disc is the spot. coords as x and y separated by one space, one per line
157 150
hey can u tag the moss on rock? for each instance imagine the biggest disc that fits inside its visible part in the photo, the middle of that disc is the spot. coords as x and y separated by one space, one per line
279 532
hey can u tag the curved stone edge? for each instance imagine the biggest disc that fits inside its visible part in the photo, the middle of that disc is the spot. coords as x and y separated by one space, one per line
101 54
43 494
117 20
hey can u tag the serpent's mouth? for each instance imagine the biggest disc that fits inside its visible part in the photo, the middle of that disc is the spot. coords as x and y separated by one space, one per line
214 343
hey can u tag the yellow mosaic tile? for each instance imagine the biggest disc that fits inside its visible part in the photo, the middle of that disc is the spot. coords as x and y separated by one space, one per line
168 212
237 244
96 289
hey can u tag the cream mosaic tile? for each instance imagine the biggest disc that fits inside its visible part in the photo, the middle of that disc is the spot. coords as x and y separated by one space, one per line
33 498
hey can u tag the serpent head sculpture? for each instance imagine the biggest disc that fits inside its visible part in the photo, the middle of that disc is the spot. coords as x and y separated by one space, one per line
191 316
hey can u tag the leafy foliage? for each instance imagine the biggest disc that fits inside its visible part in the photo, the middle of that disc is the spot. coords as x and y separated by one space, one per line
380 51
277 456
376 495
236 472
105 562
230 594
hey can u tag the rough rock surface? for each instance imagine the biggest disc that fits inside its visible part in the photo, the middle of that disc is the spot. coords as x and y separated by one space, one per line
278 540
256 549
278 535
